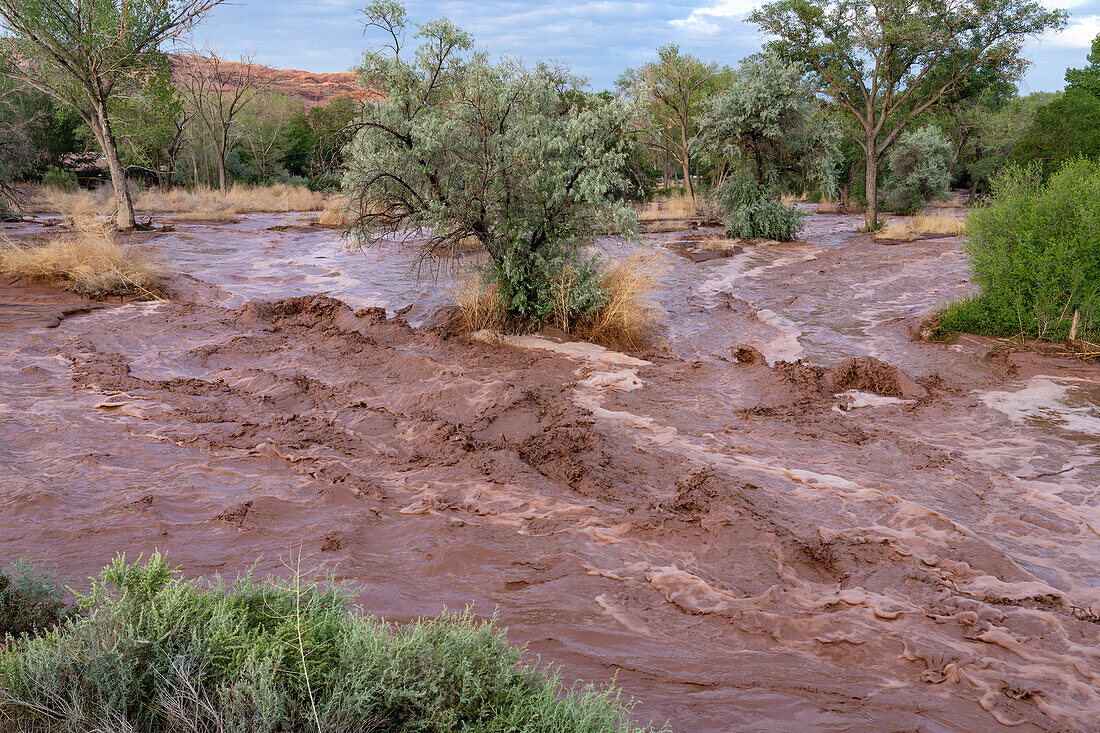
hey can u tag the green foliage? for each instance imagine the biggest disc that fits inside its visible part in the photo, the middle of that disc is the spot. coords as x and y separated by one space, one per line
1067 128
59 178
466 150
1035 252
1087 79
883 64
668 97
765 125
920 169
751 211
153 653
30 601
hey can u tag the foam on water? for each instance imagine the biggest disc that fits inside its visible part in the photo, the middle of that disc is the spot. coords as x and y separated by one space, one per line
1059 404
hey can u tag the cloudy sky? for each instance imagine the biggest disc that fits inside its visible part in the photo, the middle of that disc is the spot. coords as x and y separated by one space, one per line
597 39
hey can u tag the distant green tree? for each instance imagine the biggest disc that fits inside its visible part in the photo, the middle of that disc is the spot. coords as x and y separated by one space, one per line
920 169
84 53
670 93
885 63
764 133
459 148
1069 126
315 139
1087 79
265 123
151 121
998 137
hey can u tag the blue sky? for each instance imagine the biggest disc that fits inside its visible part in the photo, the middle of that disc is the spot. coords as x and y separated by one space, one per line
597 39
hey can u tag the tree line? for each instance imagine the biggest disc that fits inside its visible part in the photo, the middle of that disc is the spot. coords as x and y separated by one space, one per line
81 79
860 100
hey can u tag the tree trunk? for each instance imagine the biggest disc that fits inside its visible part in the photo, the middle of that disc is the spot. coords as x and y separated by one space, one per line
223 178
685 158
870 215
124 205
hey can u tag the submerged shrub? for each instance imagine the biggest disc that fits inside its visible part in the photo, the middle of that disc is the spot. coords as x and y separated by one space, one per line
1035 251
920 169
751 211
151 652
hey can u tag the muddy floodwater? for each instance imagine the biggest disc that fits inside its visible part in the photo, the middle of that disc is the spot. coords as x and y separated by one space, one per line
839 528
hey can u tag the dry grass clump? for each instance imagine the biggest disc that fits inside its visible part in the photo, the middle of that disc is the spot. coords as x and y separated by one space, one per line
91 262
629 316
202 203
479 304
674 206
923 225
336 214
725 245
626 320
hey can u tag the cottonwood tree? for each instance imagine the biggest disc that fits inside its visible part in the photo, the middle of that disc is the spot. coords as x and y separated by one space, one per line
459 149
84 52
218 92
671 92
265 126
885 62
151 124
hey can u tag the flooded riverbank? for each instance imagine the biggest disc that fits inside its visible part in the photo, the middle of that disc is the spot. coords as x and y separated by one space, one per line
742 544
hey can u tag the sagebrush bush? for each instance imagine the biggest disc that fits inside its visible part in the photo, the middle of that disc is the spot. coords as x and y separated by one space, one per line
920 169
30 600
1035 251
751 211
150 652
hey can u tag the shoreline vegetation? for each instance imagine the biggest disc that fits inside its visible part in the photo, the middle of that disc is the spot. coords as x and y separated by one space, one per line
148 651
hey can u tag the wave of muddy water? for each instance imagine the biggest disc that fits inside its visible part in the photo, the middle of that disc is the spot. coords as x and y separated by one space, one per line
735 544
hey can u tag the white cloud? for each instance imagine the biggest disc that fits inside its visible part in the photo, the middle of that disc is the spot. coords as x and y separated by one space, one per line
702 20
1078 33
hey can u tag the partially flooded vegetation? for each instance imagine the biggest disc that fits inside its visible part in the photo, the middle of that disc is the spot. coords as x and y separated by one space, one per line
454 394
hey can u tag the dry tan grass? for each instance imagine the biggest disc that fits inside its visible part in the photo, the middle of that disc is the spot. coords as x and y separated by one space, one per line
479 304
675 206
204 203
911 227
629 317
91 262
725 245
336 214
222 216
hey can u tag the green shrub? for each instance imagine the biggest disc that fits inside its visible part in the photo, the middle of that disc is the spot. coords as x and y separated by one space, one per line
58 178
1035 252
151 652
920 169
30 600
751 211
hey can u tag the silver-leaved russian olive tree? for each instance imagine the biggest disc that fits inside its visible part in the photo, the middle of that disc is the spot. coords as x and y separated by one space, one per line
459 149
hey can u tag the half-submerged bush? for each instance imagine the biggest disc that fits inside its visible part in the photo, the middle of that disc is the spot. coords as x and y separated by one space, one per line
153 653
1035 252
522 160
920 169
751 211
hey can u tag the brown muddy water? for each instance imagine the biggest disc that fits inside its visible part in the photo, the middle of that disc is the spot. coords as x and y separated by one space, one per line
904 544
